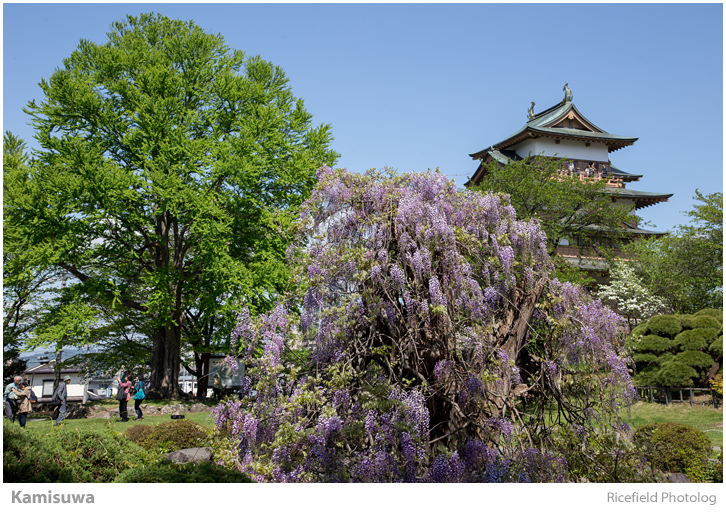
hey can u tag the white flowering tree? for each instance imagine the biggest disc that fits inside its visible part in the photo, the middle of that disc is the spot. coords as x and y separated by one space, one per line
627 295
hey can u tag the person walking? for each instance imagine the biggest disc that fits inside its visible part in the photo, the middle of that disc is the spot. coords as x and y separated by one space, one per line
24 407
217 386
10 399
125 384
139 397
60 397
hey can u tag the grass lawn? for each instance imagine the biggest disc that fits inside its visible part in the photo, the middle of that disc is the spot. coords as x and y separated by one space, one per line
707 419
203 418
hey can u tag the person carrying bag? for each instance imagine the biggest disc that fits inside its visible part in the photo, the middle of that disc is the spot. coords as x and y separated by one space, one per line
123 396
139 397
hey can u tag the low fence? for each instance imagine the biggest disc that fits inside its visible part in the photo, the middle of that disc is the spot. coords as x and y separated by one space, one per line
692 396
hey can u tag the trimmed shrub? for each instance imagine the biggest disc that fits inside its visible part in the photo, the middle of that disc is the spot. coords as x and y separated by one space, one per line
176 435
653 343
663 358
644 359
663 325
695 358
695 339
639 330
165 471
647 376
67 456
138 433
676 448
686 321
713 313
717 346
706 322
676 373
698 345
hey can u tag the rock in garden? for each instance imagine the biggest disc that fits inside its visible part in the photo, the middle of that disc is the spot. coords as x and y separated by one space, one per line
174 409
194 455
198 407
76 411
678 478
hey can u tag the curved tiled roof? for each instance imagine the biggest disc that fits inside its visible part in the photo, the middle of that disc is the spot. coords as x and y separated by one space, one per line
541 125
640 198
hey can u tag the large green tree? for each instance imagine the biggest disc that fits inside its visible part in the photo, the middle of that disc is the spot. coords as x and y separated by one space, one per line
566 207
685 267
168 171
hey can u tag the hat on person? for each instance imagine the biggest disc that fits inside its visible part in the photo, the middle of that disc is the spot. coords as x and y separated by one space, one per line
66 379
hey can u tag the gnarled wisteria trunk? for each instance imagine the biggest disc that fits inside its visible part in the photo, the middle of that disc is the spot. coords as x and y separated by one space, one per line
434 323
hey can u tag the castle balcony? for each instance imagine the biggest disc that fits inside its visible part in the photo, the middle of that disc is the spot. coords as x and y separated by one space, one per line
595 171
573 251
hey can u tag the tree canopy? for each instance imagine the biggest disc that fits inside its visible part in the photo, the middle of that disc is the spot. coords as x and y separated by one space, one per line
169 169
565 206
627 294
685 267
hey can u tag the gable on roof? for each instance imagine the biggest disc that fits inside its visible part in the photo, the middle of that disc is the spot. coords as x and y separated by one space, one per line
562 121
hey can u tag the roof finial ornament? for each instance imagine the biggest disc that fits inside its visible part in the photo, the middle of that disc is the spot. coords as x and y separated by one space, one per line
530 112
568 94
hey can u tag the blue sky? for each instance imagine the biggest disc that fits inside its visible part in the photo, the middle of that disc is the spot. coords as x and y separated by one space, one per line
419 86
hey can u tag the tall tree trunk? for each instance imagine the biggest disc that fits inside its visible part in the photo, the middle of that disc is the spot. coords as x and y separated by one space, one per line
165 361
203 373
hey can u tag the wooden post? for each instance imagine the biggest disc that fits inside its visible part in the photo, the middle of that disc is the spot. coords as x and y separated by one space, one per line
650 388
691 390
680 390
667 397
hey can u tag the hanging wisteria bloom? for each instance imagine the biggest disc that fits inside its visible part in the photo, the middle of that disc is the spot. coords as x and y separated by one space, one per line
426 322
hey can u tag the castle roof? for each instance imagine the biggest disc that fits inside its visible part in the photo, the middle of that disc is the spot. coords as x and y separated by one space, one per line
562 121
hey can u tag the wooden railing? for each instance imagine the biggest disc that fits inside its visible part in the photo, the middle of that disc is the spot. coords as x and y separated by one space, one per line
668 396
598 171
573 251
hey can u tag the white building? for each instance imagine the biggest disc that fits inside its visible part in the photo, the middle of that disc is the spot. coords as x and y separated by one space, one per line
42 381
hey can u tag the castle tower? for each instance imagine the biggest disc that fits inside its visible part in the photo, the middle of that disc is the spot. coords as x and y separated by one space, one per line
562 132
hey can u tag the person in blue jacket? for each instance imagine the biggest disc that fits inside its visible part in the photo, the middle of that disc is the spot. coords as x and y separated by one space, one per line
140 388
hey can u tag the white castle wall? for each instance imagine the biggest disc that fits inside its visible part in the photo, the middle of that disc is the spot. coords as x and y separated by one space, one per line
575 150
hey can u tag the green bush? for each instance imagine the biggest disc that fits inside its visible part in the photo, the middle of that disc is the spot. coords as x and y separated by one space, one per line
706 322
678 341
713 313
166 471
64 455
593 458
644 358
695 339
647 376
717 467
664 358
138 433
717 346
675 373
676 448
639 330
695 358
654 343
663 325
686 321
175 435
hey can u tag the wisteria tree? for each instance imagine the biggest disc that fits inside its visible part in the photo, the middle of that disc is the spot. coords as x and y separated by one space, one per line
440 347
